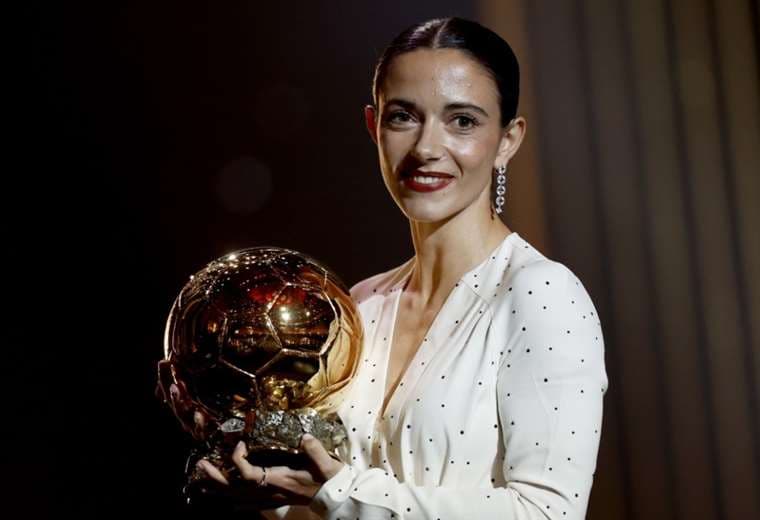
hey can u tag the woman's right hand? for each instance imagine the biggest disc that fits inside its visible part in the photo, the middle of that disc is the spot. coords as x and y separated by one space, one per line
284 485
217 494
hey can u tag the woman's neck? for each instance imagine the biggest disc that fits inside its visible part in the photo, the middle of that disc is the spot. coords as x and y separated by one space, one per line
444 251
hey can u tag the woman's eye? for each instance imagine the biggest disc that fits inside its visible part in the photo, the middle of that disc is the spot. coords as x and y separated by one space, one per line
399 117
465 122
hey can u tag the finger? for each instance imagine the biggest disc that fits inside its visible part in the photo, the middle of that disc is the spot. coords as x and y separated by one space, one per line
319 455
174 391
247 470
178 404
241 450
212 471
199 425
163 377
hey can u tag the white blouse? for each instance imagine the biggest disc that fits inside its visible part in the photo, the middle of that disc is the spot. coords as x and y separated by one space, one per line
499 413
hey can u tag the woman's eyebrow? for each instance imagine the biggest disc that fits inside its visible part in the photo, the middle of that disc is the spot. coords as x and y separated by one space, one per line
465 106
401 102
409 105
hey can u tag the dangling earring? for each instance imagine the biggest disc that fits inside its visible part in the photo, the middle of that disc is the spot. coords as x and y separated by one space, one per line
501 179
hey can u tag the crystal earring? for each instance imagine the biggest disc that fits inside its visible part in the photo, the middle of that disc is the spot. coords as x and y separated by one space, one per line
501 179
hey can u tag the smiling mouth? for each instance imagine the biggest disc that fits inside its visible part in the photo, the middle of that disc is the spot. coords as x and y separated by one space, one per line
423 181
424 176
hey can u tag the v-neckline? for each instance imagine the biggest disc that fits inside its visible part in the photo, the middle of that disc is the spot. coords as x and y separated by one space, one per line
387 400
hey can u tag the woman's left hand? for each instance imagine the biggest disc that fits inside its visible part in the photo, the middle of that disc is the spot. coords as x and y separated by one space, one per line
299 485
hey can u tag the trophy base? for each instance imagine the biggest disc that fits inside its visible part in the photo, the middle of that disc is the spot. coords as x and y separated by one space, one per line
274 439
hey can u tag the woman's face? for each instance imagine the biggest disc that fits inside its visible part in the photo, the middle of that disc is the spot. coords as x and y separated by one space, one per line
437 129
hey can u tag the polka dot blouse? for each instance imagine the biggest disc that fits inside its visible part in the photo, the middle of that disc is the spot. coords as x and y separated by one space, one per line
499 413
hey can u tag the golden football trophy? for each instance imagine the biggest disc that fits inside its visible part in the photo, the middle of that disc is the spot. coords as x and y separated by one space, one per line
259 346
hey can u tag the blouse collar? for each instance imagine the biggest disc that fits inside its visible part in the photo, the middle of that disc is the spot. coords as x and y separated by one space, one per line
484 279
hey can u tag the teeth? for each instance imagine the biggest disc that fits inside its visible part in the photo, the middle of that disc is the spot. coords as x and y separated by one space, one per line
426 180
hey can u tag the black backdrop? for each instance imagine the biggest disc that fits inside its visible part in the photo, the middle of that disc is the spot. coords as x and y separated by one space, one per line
152 138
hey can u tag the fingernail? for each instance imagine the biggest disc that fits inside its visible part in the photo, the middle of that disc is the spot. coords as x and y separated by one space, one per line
307 436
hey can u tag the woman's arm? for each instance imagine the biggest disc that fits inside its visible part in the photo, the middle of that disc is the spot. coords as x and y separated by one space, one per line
550 385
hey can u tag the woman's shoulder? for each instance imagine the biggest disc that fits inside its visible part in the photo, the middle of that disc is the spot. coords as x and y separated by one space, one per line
544 303
528 277
532 278
528 267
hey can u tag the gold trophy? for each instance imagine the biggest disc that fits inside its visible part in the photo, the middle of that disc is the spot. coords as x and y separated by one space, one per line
259 346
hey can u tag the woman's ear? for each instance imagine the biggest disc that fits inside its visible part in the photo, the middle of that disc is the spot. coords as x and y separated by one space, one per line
370 119
510 140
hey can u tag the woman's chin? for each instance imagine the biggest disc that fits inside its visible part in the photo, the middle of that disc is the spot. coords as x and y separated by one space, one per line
426 212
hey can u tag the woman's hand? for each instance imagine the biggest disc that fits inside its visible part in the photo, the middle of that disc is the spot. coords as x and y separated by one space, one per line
174 393
284 485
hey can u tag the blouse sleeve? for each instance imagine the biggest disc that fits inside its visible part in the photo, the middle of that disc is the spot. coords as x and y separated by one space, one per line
550 386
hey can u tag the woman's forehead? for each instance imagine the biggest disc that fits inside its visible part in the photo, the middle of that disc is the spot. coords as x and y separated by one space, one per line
438 75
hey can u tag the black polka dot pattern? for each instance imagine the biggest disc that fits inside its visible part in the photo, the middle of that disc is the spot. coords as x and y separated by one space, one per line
513 347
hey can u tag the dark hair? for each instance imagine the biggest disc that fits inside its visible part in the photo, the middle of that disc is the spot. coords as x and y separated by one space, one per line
481 43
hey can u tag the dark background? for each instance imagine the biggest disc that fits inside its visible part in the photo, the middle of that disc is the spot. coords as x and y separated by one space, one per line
157 137
145 140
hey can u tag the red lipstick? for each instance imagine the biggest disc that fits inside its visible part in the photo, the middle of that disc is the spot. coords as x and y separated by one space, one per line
416 180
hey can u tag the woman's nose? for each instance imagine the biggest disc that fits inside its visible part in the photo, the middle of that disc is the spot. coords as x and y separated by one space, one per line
429 145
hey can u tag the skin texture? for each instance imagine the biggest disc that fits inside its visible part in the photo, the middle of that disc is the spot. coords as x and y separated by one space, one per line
451 229
284 485
415 126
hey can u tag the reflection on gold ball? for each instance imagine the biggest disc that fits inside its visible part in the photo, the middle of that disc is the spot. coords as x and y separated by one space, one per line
263 327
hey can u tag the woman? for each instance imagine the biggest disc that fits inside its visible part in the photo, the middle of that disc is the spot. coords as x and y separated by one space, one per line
480 392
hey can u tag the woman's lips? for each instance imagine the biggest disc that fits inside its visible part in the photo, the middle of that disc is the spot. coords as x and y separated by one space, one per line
423 181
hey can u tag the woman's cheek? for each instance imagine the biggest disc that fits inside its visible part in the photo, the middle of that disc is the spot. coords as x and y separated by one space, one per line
469 154
396 145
